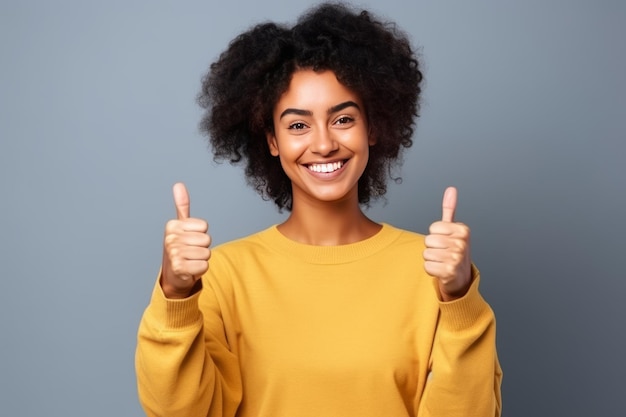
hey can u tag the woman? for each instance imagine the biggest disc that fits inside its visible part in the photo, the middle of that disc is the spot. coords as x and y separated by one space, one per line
328 313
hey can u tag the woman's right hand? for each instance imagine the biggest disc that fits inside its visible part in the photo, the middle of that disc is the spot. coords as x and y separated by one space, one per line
186 250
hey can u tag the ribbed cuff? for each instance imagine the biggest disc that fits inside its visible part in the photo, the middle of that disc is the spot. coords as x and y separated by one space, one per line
175 314
464 312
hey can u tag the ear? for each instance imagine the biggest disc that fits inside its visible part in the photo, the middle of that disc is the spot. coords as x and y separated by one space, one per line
272 143
371 139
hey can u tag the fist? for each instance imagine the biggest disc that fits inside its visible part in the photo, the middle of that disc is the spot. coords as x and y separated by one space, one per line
185 249
447 253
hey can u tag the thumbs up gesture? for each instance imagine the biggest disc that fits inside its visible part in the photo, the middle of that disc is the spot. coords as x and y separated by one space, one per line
185 249
447 253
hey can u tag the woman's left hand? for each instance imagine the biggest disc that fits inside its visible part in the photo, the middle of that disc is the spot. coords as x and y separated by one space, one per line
447 253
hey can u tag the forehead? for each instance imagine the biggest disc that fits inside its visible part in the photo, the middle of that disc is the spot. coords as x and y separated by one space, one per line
309 89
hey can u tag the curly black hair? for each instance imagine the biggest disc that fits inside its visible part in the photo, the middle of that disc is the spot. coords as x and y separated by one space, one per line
371 57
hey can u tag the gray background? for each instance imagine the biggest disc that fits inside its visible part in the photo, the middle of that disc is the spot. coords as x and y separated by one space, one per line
524 110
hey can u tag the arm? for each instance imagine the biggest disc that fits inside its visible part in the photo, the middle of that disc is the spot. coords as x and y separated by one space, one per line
465 375
183 362
185 368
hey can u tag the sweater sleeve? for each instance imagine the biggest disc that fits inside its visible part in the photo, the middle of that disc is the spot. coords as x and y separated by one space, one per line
465 375
183 363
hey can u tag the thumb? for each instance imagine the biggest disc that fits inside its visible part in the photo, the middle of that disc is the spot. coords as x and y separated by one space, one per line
181 200
449 204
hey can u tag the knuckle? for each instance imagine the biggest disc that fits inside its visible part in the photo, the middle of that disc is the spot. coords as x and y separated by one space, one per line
205 241
456 258
459 245
172 226
175 254
177 267
170 239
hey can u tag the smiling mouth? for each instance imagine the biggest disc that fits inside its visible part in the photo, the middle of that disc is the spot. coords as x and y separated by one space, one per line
326 168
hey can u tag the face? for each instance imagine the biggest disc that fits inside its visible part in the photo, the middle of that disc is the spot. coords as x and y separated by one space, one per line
321 137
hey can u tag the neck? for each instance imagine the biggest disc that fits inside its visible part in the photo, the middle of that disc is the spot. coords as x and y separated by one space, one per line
328 223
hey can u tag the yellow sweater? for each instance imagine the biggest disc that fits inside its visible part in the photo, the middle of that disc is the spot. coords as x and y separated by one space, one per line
286 329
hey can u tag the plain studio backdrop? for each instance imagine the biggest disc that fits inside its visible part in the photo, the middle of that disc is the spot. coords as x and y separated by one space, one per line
524 111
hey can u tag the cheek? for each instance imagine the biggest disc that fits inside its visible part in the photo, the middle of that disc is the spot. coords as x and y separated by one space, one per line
289 169
287 161
365 145
291 148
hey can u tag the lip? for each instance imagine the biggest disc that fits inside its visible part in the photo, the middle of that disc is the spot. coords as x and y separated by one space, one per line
328 174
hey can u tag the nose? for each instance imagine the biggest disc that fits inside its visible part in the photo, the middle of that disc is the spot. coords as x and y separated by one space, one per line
323 143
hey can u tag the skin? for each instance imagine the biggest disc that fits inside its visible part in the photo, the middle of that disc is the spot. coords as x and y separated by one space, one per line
186 250
318 122
447 253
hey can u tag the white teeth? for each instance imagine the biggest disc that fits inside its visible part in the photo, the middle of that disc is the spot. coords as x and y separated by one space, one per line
334 166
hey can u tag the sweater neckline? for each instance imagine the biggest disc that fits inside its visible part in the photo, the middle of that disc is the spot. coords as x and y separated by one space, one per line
339 254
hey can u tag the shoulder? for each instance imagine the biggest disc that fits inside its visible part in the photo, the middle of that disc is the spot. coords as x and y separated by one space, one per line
404 237
252 243
240 256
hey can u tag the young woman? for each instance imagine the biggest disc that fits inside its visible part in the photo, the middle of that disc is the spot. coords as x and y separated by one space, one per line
329 313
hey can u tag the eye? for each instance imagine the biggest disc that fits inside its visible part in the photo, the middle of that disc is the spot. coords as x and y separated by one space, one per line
343 120
297 126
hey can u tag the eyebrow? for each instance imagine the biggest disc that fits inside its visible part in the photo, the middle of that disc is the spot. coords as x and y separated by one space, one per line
331 110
